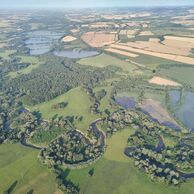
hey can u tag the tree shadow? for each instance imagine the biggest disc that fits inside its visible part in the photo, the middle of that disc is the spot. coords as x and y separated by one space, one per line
11 188
38 114
65 173
31 191
62 174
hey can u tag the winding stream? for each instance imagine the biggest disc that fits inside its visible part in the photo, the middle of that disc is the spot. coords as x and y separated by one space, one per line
93 127
158 148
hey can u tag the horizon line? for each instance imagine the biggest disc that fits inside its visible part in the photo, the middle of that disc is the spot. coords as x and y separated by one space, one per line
90 7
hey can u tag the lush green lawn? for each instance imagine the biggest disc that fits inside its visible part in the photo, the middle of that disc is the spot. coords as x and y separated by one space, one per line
78 105
26 59
18 163
116 174
104 60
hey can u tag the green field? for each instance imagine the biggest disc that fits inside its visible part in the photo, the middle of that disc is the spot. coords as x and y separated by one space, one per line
181 74
156 95
76 44
153 62
105 102
78 105
116 145
5 54
26 59
104 60
21 164
116 174
169 141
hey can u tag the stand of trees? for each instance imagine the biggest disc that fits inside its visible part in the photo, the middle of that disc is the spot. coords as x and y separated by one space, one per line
60 105
70 148
150 162
67 186
93 98
54 78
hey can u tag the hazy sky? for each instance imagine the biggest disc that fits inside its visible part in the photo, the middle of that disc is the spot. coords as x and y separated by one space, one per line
90 3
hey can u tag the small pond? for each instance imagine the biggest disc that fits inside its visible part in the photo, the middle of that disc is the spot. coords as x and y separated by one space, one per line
182 104
75 54
126 102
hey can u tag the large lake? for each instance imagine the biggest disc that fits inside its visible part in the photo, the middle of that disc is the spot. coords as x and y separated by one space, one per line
40 42
75 54
182 104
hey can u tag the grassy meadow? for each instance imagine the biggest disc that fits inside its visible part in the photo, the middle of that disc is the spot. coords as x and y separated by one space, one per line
22 165
6 53
105 102
181 74
26 59
104 60
152 62
78 105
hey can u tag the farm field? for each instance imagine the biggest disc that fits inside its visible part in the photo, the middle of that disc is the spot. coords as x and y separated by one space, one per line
178 73
22 165
69 39
177 58
154 62
99 39
104 60
127 54
78 105
162 81
168 45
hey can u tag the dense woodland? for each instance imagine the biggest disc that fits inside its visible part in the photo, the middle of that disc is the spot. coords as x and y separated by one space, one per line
54 78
